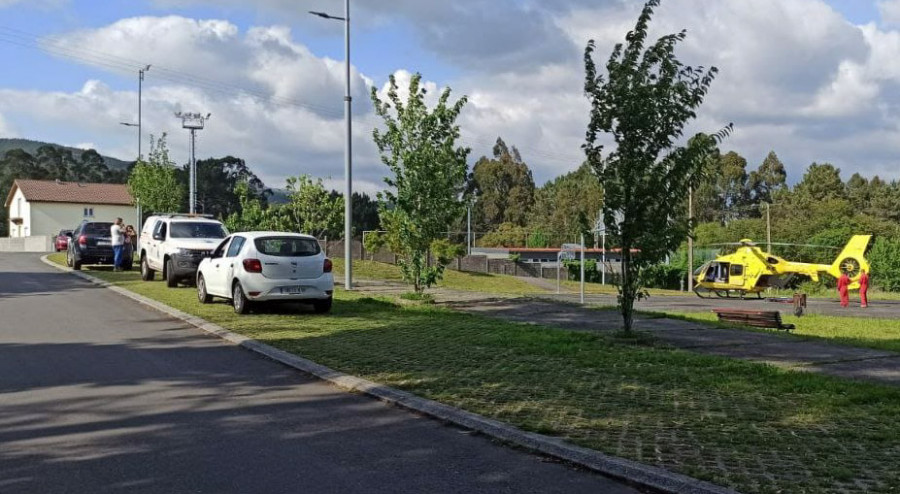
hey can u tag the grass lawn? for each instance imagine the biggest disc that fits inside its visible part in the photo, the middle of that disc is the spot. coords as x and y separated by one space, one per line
749 426
456 280
880 334
480 282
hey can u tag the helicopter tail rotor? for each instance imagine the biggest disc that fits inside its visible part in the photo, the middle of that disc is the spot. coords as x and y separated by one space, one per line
852 260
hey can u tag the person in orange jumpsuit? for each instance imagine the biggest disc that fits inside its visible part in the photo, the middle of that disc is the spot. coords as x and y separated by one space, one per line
863 288
843 285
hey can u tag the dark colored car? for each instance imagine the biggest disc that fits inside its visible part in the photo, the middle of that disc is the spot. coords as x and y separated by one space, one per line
90 244
62 240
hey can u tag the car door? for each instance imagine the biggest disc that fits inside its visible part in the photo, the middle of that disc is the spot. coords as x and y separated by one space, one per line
231 260
213 273
159 236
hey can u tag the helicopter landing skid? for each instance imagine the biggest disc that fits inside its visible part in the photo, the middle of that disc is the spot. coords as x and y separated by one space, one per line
740 294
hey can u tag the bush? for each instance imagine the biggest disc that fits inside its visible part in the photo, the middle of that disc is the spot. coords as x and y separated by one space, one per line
885 260
665 276
591 274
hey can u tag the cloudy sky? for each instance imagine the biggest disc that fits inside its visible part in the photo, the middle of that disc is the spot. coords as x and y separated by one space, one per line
814 80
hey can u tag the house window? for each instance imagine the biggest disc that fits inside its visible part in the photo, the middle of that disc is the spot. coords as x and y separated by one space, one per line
88 212
19 207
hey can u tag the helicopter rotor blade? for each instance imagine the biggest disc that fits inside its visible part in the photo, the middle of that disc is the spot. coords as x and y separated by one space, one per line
806 245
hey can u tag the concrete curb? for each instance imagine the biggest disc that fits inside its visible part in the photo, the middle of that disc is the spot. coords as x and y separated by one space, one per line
618 468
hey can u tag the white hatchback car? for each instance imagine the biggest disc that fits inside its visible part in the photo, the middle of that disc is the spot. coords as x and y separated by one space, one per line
253 267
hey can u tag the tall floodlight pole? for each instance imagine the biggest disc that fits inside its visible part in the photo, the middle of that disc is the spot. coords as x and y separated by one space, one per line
348 149
193 122
690 270
140 97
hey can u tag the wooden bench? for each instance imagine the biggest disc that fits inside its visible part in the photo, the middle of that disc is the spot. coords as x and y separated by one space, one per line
755 318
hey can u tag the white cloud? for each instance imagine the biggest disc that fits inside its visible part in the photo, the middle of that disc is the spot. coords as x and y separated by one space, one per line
890 11
6 130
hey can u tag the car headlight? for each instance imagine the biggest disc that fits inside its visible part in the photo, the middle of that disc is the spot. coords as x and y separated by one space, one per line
184 252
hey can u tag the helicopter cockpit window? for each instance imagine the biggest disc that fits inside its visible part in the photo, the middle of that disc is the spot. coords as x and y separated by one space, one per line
772 260
737 270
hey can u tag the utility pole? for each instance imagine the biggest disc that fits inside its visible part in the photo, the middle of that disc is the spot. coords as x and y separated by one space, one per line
140 97
768 229
469 229
193 122
690 270
348 148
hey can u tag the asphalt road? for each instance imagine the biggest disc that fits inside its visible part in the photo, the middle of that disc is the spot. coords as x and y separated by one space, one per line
99 394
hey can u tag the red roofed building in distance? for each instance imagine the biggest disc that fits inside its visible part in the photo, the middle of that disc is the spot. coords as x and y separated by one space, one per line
44 207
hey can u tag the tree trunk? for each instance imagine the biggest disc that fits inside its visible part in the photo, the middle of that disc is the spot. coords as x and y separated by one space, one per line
626 301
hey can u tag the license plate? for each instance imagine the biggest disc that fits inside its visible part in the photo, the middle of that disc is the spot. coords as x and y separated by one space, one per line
103 243
291 290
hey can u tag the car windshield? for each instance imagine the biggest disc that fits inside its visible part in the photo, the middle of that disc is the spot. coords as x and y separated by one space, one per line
96 228
287 246
196 229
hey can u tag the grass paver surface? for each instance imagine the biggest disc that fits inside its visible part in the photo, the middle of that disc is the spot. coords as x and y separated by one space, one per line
879 334
748 426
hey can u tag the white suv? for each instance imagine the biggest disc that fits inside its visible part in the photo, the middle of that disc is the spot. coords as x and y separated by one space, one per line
174 244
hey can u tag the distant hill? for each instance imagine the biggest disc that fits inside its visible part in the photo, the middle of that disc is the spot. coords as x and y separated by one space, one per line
31 147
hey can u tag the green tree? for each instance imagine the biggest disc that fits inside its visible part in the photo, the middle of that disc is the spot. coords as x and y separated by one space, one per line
769 179
733 184
644 102
217 180
885 263
821 182
252 213
154 183
567 206
428 174
505 235
503 188
311 208
90 167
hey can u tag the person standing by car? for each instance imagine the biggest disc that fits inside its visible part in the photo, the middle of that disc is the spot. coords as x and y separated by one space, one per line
117 240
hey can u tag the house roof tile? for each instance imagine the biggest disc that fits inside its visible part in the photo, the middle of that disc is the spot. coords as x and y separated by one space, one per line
71 192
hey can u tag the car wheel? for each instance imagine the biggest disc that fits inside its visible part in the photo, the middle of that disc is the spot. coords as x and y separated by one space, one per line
202 294
147 274
68 259
322 306
171 281
239 300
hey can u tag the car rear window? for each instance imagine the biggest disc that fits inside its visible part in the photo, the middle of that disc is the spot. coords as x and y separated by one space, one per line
287 246
196 229
96 228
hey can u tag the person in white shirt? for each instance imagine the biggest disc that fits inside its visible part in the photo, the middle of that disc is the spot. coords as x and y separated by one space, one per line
117 239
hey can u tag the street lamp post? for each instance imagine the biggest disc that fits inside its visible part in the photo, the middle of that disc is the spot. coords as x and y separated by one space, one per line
348 157
140 97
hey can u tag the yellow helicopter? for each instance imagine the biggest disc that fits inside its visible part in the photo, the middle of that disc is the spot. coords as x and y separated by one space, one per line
751 270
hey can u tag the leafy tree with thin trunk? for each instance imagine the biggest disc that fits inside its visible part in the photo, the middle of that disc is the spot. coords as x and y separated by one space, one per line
643 103
428 175
311 208
155 182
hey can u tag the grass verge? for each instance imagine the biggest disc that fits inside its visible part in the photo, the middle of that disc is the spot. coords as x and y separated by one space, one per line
878 334
748 426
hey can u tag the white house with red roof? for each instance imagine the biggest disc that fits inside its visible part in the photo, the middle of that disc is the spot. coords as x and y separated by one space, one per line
44 207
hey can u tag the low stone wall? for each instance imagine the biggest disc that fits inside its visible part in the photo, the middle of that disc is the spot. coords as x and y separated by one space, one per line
38 243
